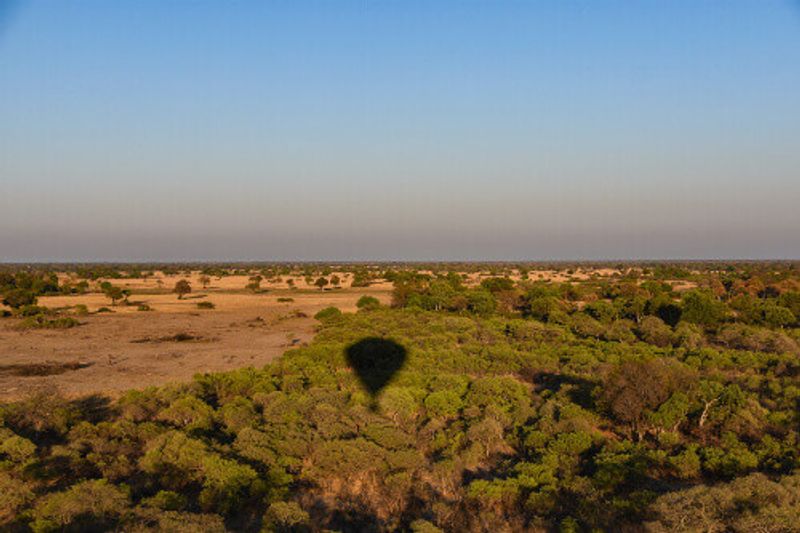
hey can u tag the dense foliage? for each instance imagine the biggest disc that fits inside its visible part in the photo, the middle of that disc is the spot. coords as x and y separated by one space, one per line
519 406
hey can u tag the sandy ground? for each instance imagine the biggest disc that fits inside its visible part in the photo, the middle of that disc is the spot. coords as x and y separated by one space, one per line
130 349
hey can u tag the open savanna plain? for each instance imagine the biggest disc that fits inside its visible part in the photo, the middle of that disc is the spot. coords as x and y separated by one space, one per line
122 347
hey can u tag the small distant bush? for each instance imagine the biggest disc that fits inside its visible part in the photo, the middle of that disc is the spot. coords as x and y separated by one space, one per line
104 310
144 307
80 310
205 305
32 310
42 322
329 313
367 303
285 300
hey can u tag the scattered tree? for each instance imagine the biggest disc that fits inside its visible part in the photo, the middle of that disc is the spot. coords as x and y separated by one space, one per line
182 288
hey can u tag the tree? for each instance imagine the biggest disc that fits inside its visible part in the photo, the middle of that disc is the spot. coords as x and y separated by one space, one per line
182 287
635 387
204 281
335 281
702 308
497 284
255 284
114 293
321 283
286 516
88 505
481 302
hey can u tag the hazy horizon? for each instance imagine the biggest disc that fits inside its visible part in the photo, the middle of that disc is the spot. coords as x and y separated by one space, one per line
303 131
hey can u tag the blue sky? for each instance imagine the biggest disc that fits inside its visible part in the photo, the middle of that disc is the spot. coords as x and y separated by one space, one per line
189 130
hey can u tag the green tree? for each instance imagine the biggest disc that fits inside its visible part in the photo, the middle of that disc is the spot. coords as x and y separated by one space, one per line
702 308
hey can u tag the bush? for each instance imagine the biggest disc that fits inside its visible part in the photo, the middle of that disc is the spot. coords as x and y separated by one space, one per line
15 494
32 310
17 298
653 330
285 300
368 303
42 322
144 307
329 313
205 305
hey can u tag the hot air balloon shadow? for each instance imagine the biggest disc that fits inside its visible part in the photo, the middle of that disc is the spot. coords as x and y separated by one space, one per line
375 361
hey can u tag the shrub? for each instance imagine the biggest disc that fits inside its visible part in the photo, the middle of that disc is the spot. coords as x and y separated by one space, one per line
15 494
42 322
653 330
189 413
368 303
32 310
144 307
751 503
17 298
329 313
285 300
205 305
444 403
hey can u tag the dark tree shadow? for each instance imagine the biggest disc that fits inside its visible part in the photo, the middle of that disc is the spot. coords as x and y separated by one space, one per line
375 361
95 408
580 390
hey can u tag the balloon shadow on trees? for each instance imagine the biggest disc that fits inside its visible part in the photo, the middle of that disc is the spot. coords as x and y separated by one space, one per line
375 361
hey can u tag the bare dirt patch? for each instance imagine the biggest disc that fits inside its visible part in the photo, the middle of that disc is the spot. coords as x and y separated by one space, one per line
129 349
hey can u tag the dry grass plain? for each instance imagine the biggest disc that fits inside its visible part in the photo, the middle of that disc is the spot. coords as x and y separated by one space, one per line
129 349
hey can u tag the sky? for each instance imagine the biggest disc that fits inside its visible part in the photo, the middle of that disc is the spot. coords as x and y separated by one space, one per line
156 130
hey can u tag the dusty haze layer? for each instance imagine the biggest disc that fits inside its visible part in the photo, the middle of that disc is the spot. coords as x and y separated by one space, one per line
396 131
